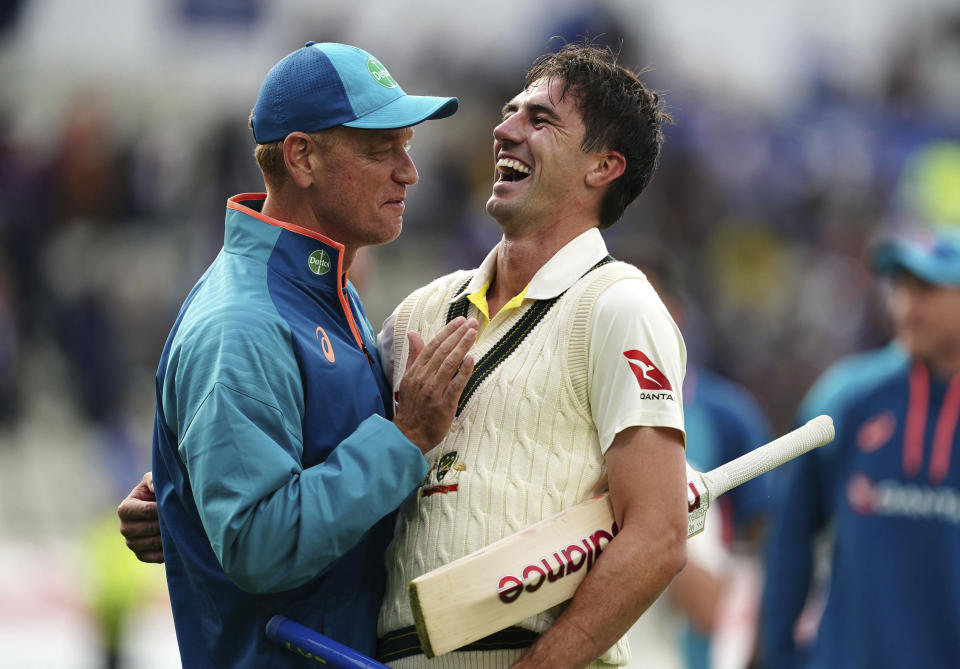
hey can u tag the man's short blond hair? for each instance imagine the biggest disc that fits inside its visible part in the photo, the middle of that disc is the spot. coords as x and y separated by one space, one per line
270 160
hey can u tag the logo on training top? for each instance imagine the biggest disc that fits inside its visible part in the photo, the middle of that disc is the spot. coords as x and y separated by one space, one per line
325 344
319 262
380 74
648 376
892 498
876 432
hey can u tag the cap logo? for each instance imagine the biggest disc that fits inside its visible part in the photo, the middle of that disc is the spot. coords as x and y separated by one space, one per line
319 262
380 74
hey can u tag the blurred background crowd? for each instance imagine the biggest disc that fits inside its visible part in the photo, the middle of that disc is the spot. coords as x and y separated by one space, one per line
801 129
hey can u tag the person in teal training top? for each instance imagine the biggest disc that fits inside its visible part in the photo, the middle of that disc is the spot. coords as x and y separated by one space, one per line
276 465
886 490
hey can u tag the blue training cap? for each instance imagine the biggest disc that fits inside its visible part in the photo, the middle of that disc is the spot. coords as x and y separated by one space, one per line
328 84
932 254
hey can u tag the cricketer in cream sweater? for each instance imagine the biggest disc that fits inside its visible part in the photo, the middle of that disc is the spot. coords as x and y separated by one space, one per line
530 440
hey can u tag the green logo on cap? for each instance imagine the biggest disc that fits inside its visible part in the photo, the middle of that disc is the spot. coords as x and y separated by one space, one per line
380 74
319 262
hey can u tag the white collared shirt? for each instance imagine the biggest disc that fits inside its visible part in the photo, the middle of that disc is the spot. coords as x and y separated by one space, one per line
634 339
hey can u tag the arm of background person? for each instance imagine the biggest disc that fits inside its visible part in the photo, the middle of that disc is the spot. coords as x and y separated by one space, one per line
646 472
729 419
797 516
799 512
696 592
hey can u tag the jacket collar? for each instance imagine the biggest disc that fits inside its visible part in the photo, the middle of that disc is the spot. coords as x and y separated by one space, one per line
294 251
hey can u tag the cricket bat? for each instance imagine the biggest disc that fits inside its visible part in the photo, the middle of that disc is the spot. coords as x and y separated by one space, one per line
311 645
542 565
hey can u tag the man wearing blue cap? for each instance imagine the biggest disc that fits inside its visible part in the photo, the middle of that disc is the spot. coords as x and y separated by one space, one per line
888 487
275 463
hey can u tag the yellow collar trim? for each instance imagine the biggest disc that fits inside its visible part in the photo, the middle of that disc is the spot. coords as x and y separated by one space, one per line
478 299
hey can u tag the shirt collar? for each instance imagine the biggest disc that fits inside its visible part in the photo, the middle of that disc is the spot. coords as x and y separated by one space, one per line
559 273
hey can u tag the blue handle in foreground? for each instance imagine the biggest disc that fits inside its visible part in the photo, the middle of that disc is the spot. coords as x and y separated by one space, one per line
312 645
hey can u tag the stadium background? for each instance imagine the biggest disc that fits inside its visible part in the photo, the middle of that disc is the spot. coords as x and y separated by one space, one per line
802 127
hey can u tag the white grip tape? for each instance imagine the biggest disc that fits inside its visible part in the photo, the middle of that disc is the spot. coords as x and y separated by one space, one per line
816 432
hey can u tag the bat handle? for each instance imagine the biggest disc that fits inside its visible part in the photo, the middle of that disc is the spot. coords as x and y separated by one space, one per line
309 644
814 433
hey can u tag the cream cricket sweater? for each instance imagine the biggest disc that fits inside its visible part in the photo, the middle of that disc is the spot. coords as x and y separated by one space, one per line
523 447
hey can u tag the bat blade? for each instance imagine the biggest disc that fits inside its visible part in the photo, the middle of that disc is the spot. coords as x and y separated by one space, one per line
541 566
511 579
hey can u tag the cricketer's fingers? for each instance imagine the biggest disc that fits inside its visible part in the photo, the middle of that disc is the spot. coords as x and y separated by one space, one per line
147 549
140 503
139 521
142 536
143 490
136 511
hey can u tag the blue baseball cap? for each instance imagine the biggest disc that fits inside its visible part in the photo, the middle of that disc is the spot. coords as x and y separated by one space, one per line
328 84
932 254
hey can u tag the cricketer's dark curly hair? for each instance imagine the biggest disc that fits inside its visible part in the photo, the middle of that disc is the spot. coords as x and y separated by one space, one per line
618 111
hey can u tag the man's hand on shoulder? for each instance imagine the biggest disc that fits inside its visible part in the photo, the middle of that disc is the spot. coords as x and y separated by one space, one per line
139 522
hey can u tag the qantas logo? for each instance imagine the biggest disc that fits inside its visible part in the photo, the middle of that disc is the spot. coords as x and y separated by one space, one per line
648 376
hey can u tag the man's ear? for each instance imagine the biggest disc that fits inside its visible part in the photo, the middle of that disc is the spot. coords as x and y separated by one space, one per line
300 156
608 167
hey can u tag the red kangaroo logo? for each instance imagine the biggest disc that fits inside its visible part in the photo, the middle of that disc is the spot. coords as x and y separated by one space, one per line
648 376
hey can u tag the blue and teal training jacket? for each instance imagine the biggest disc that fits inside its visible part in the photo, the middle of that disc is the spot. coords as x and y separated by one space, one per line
275 463
888 492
